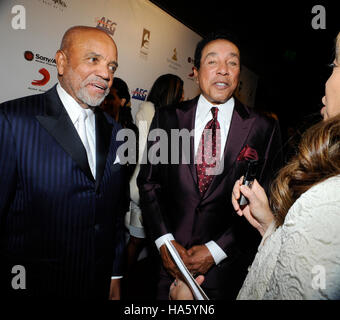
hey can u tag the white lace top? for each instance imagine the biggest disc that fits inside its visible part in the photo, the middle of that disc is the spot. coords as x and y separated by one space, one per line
301 258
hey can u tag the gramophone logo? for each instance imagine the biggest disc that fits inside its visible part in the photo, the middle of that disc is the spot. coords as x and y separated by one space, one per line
173 62
145 45
174 56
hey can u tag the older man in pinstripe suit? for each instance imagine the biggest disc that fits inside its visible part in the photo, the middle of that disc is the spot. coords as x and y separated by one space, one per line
60 182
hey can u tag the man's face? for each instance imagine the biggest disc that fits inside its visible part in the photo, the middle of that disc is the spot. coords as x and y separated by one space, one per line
88 66
219 71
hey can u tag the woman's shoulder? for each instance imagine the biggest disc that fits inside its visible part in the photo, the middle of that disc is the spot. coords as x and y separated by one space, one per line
320 202
146 107
310 238
325 191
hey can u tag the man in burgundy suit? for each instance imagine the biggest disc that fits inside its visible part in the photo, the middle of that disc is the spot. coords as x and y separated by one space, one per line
189 203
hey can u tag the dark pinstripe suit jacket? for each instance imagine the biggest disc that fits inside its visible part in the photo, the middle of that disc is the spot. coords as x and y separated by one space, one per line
56 220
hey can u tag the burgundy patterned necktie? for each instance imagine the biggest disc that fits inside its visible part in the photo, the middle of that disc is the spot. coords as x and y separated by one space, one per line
208 154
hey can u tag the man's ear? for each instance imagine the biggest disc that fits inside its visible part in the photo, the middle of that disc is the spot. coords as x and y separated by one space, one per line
61 61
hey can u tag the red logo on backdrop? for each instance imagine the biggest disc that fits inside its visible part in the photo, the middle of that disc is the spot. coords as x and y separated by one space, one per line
191 61
29 55
44 80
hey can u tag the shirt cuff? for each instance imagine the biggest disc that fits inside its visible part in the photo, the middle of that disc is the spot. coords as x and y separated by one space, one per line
161 240
216 251
116 277
137 232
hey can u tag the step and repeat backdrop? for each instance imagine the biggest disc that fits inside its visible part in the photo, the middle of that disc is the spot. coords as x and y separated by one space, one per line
150 43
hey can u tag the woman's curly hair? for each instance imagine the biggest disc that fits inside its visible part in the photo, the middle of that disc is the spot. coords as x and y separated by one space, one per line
318 159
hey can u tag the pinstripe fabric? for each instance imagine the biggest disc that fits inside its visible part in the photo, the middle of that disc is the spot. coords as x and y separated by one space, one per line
55 220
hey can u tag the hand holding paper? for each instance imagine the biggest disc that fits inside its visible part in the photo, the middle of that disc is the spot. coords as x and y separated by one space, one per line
168 262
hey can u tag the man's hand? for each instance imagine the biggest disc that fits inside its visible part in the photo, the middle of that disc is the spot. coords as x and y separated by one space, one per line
115 289
168 263
200 260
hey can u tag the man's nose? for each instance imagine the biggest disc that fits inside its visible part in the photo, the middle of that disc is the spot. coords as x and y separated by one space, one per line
104 72
223 69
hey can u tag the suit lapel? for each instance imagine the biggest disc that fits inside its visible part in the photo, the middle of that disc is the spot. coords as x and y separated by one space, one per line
59 125
186 120
240 127
103 140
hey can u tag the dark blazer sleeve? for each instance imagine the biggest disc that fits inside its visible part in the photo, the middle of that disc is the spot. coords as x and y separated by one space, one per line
148 182
119 260
119 266
230 240
7 165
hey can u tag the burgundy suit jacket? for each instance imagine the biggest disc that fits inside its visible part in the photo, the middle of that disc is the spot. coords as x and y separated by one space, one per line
171 202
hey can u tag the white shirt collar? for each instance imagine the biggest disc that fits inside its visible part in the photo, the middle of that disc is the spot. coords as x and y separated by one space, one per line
71 105
203 112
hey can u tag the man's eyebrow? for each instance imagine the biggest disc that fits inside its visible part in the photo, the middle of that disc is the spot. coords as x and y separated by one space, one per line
100 56
233 54
212 54
93 54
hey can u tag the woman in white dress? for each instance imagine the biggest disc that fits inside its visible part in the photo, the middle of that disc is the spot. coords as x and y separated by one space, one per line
166 90
299 255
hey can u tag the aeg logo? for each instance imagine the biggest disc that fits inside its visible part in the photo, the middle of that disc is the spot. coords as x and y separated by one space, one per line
106 25
139 94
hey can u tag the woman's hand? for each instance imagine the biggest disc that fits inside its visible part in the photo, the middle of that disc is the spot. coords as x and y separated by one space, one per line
180 291
257 212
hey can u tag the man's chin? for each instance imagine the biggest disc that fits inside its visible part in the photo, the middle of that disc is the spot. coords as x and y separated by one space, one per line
219 100
92 101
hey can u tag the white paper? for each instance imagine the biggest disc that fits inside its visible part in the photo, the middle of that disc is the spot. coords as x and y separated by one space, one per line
197 291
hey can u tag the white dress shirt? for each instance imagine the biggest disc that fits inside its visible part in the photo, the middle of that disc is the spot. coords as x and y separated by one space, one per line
202 117
74 109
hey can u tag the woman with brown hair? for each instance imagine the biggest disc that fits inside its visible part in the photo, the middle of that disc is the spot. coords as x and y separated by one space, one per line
299 256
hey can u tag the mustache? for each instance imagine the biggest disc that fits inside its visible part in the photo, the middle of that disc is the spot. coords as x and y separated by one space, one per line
99 81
